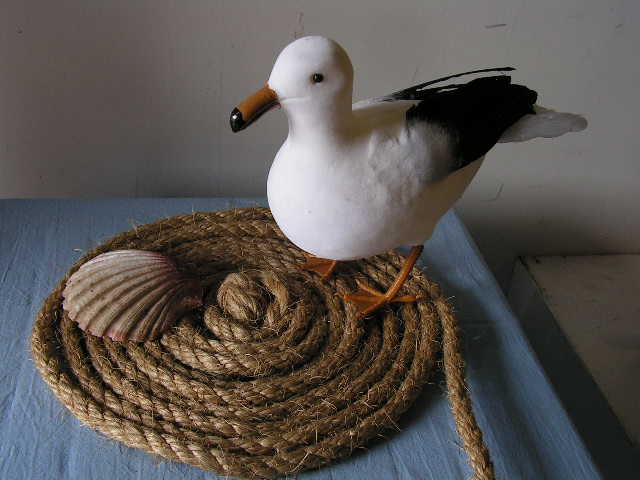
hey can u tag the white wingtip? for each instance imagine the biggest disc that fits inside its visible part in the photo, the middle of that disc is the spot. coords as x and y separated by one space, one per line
545 123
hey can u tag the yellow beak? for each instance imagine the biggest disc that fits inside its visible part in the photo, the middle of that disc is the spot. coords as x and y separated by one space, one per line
253 108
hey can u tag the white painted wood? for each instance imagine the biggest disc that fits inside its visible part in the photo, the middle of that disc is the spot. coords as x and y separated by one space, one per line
595 301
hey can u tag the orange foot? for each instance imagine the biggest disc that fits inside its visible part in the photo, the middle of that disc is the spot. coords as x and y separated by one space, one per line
321 266
368 300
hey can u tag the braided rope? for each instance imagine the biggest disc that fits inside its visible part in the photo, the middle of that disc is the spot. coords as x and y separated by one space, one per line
275 375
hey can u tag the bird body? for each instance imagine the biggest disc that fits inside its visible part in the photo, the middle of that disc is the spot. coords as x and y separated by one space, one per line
355 180
368 191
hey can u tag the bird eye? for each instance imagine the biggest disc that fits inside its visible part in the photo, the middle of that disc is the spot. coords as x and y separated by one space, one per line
317 77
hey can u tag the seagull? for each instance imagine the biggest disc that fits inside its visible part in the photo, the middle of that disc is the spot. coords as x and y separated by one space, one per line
355 180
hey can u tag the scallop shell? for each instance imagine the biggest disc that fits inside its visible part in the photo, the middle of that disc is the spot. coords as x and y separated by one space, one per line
129 295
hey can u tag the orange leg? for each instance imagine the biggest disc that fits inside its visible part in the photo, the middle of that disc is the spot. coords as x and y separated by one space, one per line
368 299
322 266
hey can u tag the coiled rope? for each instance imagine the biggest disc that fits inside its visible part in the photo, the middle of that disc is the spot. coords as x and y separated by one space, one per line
275 375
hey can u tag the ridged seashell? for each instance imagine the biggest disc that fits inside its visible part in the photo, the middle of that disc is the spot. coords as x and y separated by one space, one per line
129 295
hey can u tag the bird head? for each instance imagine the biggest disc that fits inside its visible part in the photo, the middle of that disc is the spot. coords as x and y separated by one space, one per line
311 73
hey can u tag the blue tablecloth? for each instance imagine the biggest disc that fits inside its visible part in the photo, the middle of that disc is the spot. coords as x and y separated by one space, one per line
527 431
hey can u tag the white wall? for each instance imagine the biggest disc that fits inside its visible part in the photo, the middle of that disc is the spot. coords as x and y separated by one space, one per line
131 98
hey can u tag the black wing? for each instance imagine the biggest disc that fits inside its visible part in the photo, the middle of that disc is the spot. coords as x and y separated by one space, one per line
473 115
420 91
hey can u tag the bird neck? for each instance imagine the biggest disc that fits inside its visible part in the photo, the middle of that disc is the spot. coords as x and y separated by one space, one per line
319 122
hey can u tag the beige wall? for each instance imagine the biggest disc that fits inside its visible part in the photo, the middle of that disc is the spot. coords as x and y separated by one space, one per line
131 98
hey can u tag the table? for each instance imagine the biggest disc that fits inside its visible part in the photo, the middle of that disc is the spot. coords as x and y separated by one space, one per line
528 432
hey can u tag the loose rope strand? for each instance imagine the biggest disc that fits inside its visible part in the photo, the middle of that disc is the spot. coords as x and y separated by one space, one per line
458 392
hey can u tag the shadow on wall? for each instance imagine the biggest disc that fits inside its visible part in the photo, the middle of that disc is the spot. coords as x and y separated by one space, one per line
502 241
574 216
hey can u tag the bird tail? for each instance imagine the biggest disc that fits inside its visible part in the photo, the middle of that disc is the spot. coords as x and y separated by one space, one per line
545 123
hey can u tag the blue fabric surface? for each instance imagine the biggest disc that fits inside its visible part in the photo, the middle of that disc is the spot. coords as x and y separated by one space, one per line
527 430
